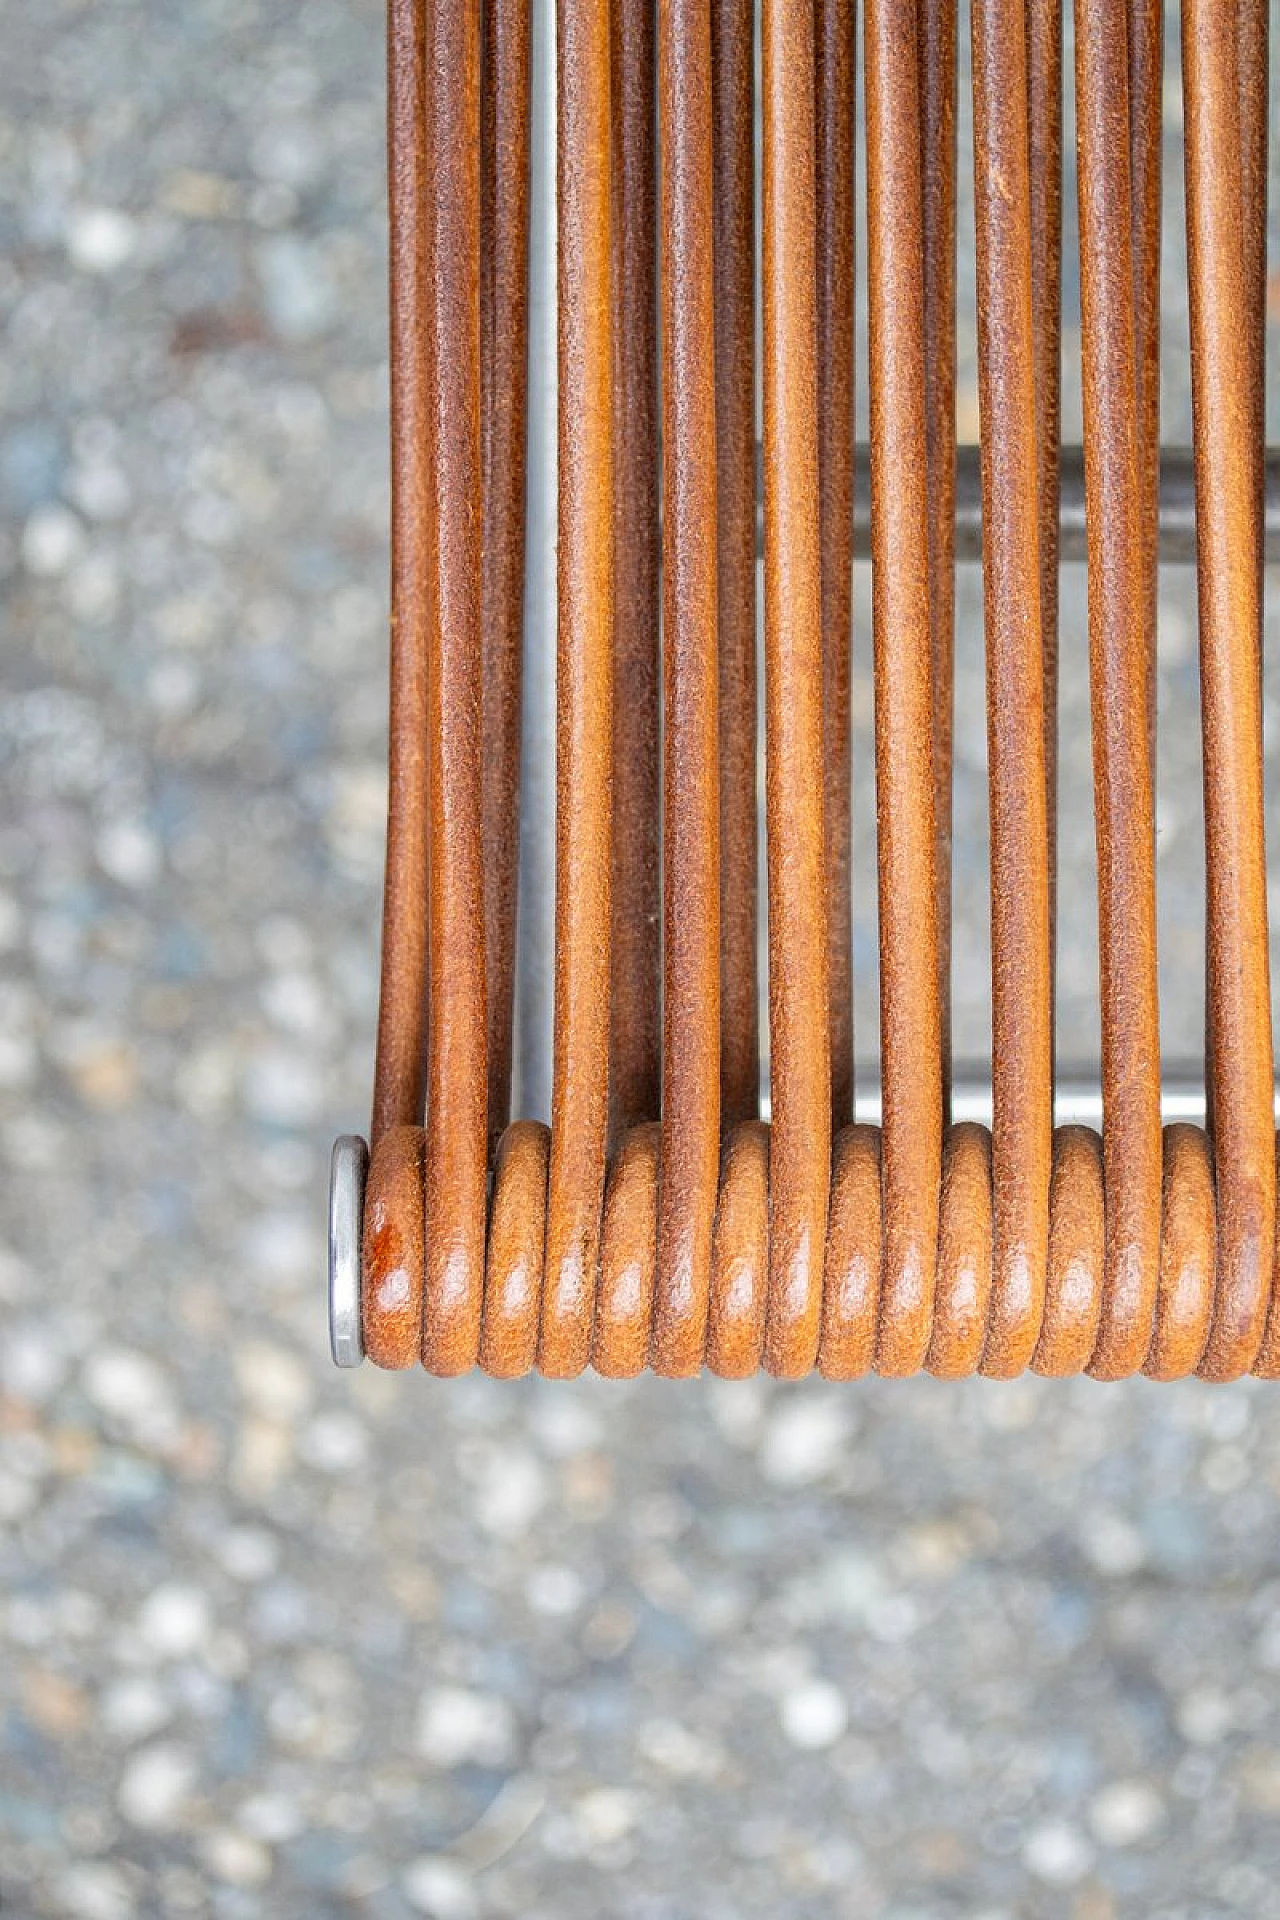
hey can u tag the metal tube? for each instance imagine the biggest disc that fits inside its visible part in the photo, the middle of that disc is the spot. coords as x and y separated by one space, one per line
1177 506
1077 1096
1077 1102
535 915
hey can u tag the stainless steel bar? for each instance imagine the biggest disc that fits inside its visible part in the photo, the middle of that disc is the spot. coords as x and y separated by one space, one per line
535 912
1077 1096
1177 506
1077 1102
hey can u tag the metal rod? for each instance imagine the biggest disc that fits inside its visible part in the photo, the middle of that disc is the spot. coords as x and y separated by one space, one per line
535 919
1077 1096
1177 506
1077 1102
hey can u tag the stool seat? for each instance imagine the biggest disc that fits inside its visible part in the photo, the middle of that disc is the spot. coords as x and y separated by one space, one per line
628 493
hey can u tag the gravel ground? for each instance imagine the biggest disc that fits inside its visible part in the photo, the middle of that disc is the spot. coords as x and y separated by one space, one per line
286 1643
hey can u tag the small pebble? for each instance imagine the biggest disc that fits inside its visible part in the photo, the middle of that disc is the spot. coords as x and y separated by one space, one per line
100 490
1204 1715
1112 1544
334 1443
1125 1813
32 1367
814 1715
805 1438
155 1786
100 239
53 1703
283 1088
676 1751
456 1725
174 1622
236 1859
1057 1854
129 852
133 1708
297 287
555 1591
439 1888
269 1817
130 1387
52 538
512 1493
606 1815
249 1553
94 1890
273 1380
10 921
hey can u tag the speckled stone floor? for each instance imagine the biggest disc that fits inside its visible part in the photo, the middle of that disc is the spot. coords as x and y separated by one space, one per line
279 1642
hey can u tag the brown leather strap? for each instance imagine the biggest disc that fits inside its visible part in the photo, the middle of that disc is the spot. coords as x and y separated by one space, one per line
1119 640
457 1153
691 820
733 211
399 1082
1253 49
910 1020
799 1001
1222 277
936 55
584 687
514 1256
1146 136
1021 1036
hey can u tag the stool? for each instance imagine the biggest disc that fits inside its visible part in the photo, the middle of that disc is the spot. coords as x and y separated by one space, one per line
585 534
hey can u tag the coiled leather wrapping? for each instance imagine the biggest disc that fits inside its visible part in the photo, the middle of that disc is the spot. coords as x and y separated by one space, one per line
658 1221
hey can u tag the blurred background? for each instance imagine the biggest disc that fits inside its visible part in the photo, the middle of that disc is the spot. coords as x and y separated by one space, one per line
283 1642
